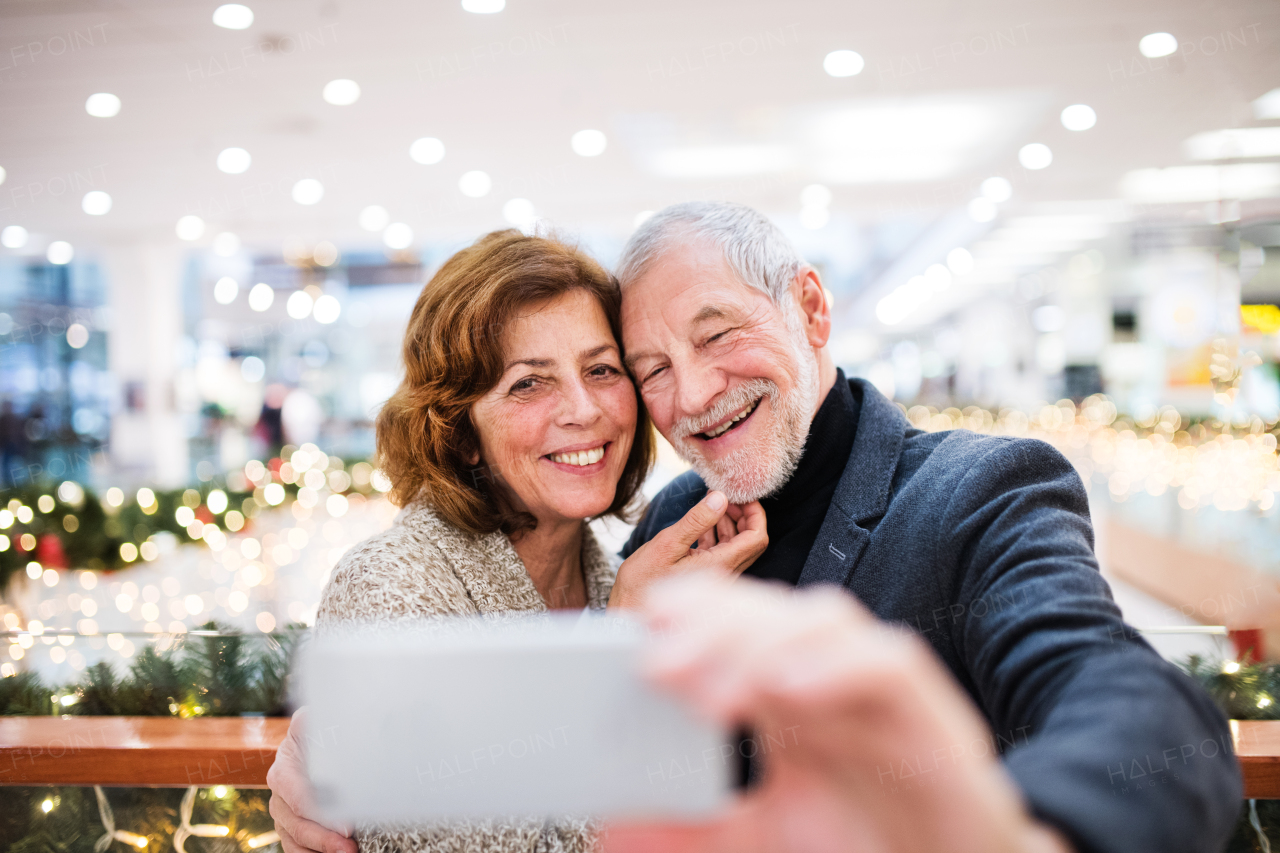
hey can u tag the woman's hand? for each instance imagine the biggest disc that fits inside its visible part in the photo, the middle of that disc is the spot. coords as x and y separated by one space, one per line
712 535
291 806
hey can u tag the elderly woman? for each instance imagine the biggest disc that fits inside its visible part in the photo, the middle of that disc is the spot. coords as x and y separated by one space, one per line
515 423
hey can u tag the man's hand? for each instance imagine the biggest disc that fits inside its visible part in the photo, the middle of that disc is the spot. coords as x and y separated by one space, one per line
880 749
291 806
711 536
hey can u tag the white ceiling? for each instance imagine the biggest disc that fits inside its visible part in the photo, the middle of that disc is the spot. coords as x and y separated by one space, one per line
950 92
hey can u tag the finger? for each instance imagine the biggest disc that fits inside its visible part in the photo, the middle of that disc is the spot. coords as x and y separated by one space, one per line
287 844
734 511
674 542
308 834
725 529
706 540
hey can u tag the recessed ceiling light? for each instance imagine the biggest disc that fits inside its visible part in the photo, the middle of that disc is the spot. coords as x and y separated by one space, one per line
95 203
2 174
1079 117
13 237
226 244
589 143
60 252
484 7
234 161
1156 45
398 236
814 216
843 63
327 309
308 191
233 16
520 212
982 210
1035 156
189 228
299 304
640 218
374 218
960 261
261 296
225 290
997 189
428 151
102 105
815 195
475 184
342 93
1265 107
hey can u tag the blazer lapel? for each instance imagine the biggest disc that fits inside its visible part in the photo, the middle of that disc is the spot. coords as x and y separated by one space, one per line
863 491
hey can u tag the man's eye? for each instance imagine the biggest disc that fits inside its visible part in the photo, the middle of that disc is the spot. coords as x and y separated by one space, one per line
654 373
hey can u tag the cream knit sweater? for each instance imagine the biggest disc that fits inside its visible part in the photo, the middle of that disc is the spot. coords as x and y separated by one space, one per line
420 567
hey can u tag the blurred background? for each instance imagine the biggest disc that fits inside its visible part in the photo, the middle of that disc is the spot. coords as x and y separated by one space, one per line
1048 219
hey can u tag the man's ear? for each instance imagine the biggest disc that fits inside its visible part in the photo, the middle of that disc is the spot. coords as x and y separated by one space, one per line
814 302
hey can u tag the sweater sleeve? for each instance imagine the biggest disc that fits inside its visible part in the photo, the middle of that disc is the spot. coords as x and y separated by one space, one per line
1108 742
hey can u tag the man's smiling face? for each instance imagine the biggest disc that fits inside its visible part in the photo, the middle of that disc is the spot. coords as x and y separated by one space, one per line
728 377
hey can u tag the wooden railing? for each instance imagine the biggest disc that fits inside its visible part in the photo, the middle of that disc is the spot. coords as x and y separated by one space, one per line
236 751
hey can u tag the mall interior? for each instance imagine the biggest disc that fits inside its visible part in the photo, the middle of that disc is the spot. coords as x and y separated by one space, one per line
1049 220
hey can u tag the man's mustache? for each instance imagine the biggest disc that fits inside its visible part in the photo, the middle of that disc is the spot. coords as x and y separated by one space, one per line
730 402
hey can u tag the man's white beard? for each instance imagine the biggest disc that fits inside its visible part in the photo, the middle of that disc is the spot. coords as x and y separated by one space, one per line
762 466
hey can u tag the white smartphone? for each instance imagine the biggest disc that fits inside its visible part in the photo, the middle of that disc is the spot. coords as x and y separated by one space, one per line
470 718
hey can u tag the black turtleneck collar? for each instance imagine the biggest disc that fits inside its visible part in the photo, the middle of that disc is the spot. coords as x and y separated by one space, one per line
796 511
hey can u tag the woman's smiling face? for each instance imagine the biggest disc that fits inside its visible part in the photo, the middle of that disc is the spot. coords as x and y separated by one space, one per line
556 430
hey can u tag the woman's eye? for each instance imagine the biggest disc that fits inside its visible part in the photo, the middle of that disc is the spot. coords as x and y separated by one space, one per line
604 370
525 384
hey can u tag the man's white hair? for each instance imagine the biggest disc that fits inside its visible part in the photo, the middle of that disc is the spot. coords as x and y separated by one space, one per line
757 251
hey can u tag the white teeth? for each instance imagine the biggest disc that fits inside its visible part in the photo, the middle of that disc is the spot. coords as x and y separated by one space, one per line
580 457
723 428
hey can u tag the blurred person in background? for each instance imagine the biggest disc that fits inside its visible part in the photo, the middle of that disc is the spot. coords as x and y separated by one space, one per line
13 444
980 544
515 421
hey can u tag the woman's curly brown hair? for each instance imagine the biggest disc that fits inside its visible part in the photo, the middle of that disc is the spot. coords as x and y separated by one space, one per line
453 357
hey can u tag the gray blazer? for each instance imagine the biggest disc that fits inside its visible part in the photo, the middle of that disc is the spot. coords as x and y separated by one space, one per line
983 545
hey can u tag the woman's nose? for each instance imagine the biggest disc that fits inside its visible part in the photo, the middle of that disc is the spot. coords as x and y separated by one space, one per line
580 405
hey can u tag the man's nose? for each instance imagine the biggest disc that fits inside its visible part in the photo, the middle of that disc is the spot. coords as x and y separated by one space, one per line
697 386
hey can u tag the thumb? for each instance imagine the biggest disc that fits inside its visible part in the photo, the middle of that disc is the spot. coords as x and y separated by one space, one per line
679 537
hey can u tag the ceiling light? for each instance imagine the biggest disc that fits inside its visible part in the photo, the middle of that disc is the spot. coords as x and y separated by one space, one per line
815 195
721 161
814 216
102 105
588 143
997 189
308 191
327 309
225 290
189 228
60 252
374 218
325 253
95 203
982 210
1268 106
1035 156
2 174
226 244
938 277
475 184
843 63
342 93
640 218
520 213
1201 183
234 161
398 236
427 150
1079 117
959 261
1156 45
233 16
483 7
261 296
1229 144
299 304
13 237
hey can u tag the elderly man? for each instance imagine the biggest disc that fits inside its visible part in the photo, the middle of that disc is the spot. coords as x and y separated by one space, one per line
978 549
